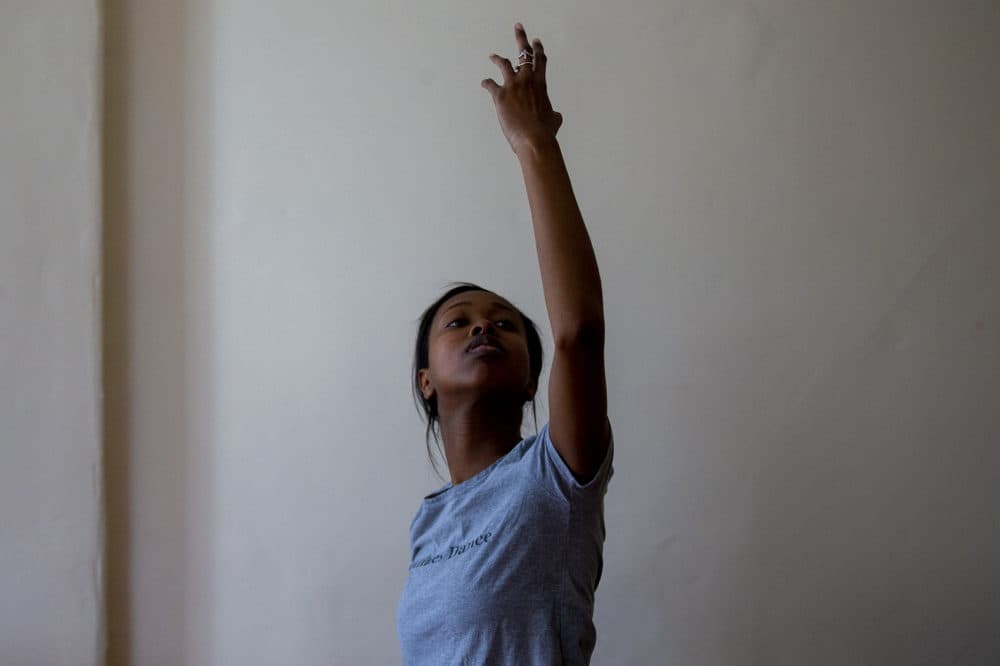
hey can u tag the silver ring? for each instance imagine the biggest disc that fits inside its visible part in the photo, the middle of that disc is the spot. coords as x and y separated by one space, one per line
528 58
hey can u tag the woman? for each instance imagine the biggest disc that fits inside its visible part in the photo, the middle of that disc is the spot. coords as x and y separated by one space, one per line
506 558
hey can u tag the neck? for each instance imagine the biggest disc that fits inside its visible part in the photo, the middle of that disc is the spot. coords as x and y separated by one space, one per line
477 432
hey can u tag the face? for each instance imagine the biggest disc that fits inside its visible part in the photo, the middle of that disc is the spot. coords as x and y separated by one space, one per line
455 369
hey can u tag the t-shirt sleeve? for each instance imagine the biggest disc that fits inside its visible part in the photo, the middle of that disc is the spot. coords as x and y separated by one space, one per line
557 475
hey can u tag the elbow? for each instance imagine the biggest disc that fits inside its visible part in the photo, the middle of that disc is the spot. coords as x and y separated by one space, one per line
586 334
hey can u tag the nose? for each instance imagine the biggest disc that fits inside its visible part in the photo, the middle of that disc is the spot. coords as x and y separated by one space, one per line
483 326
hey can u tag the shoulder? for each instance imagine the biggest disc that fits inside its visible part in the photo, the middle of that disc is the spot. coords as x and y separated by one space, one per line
550 469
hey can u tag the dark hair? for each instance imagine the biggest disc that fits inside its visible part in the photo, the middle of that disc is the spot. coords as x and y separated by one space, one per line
421 359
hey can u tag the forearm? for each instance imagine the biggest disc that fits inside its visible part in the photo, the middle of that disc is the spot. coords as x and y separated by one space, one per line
570 279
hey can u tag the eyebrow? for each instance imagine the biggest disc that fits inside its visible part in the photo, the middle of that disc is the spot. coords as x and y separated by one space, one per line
495 304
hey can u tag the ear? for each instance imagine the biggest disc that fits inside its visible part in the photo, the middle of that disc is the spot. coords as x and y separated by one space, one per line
426 389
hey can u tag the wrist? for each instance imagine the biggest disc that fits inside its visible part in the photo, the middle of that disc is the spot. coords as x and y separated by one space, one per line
535 146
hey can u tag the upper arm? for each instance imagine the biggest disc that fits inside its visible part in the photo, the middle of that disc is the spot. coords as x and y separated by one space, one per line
578 403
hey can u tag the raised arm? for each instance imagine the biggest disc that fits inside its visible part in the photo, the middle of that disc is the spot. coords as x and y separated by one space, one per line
578 411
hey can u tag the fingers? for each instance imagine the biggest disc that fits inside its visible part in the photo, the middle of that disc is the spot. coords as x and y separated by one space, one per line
521 37
505 67
540 58
541 87
535 70
526 69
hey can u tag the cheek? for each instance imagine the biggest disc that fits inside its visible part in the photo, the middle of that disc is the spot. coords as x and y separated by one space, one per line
524 358
438 355
443 352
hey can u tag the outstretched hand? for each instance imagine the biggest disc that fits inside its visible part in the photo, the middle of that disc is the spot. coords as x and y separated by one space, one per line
522 102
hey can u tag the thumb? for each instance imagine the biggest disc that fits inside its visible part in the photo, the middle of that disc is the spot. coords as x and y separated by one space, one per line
490 85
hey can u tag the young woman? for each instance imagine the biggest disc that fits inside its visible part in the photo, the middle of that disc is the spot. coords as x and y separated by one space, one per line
506 558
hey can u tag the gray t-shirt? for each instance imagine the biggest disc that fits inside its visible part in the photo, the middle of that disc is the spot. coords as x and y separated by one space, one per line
504 566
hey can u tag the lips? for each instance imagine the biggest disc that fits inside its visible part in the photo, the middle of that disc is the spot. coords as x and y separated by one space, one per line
484 340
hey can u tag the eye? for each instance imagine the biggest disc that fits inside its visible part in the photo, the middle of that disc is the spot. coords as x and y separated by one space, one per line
507 323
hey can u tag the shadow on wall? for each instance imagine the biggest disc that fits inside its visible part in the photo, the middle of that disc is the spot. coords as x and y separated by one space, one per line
115 334
146 316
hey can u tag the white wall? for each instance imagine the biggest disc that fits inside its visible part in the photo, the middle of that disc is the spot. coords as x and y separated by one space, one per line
794 206
50 447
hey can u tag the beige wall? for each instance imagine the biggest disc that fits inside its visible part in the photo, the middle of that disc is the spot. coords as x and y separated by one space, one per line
50 473
794 207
